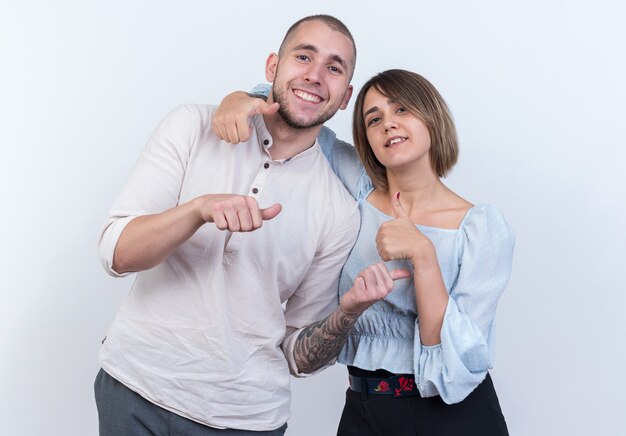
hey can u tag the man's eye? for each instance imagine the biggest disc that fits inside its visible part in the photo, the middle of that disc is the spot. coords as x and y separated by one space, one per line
303 57
335 70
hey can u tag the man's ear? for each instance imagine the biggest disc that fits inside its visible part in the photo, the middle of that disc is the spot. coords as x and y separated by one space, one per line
346 98
270 67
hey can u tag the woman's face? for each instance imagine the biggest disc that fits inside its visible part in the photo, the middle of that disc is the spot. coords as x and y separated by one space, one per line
397 136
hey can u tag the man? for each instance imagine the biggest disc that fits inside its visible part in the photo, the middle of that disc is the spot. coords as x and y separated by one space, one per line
202 344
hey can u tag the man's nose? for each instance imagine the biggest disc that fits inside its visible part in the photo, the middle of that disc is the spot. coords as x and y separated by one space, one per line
313 74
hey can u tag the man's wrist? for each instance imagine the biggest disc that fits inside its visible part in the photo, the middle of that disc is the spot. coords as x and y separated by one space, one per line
347 313
262 90
198 209
261 96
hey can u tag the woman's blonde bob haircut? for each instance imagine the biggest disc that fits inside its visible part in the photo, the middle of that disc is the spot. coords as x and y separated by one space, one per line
419 97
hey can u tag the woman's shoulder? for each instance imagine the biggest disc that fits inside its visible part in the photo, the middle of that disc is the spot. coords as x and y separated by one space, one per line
486 224
482 212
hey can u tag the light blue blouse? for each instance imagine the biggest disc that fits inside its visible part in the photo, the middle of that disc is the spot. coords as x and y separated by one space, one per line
475 262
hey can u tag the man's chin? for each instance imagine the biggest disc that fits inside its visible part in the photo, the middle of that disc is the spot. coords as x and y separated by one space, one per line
300 123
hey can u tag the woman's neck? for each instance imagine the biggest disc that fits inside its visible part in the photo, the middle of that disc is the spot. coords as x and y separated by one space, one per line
424 198
419 190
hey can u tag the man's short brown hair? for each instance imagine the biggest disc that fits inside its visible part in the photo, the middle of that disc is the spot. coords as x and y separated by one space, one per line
331 22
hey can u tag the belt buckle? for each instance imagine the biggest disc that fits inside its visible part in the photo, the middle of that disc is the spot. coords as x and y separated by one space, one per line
402 386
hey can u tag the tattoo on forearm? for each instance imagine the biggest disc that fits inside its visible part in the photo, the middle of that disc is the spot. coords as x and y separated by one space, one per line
321 342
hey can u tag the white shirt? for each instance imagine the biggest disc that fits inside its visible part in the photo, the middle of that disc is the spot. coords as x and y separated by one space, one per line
205 334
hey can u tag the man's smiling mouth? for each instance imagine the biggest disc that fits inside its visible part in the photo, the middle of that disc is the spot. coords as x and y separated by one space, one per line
306 96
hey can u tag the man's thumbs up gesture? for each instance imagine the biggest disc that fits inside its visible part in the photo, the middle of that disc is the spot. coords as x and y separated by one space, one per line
372 285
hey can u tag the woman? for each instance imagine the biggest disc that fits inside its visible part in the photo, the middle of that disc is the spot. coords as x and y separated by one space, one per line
439 327
419 358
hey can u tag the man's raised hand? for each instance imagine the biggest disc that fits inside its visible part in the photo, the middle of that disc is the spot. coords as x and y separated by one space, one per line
231 121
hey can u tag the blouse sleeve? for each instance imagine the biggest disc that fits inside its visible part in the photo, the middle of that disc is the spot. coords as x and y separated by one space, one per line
456 366
346 164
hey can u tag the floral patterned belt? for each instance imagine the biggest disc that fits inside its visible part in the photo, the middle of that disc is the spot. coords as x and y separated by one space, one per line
396 386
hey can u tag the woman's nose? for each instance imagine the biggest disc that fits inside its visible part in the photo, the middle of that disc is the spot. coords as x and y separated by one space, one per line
390 124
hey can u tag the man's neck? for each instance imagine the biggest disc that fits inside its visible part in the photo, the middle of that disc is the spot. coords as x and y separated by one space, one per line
288 141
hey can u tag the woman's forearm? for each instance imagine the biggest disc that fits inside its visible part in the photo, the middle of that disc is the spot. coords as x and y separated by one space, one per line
431 297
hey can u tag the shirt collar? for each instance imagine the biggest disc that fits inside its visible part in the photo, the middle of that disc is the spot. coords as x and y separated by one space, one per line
266 141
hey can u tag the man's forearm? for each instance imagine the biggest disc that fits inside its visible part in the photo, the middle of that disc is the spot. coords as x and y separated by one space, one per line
149 239
320 342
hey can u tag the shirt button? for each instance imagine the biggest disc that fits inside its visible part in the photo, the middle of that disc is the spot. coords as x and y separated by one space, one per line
255 190
266 165
266 142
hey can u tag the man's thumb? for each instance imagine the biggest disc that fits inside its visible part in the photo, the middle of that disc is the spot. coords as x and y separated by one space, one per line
398 274
269 109
396 206
270 212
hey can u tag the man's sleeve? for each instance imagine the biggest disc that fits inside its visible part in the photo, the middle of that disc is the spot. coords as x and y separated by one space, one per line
155 182
317 295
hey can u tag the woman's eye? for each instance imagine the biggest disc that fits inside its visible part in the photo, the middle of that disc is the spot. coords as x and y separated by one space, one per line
373 121
401 109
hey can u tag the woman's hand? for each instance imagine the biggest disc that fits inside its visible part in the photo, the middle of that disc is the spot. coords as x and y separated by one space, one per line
372 284
400 239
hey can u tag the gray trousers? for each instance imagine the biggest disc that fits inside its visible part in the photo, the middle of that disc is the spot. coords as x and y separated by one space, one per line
122 412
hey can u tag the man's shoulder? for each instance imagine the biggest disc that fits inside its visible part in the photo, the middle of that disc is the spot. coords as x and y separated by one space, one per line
202 111
189 115
338 208
336 191
193 116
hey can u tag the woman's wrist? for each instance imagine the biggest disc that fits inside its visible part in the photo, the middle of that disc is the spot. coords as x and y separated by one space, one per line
424 255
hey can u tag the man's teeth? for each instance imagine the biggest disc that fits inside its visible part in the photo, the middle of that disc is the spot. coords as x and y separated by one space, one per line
308 97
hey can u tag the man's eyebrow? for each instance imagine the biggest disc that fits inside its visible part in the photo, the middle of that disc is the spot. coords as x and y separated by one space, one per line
309 47
314 49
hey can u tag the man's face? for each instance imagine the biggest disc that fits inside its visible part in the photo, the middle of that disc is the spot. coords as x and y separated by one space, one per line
312 77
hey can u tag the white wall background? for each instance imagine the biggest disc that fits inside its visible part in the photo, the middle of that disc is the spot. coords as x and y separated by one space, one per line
537 88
